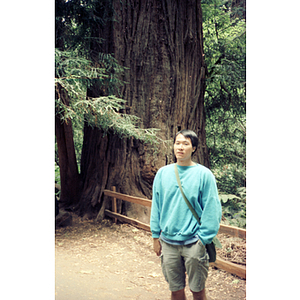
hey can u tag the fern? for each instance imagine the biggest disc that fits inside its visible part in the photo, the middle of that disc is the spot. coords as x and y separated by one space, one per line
74 75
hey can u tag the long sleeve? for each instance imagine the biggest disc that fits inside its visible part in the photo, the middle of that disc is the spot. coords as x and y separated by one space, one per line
155 209
212 210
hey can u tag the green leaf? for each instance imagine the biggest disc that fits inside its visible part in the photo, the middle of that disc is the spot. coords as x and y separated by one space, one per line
217 243
236 281
224 198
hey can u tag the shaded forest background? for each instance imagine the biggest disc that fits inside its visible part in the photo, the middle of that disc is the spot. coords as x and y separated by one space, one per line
272 153
95 110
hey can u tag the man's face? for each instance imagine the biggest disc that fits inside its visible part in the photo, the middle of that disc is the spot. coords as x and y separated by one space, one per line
183 148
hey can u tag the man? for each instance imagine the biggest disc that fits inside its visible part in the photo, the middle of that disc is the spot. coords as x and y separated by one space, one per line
177 236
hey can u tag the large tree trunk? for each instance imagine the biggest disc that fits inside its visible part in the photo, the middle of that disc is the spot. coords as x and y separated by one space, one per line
161 43
69 176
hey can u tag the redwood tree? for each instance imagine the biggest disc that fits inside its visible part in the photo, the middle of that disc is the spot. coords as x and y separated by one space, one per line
160 42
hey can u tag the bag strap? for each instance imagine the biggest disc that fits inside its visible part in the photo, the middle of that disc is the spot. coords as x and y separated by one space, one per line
184 197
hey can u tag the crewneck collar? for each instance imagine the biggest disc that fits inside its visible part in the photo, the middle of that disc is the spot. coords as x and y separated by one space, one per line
186 167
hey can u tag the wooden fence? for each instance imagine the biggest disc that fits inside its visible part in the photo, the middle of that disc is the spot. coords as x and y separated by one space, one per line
233 268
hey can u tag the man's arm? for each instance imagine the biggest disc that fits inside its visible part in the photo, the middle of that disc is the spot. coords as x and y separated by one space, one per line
212 210
154 218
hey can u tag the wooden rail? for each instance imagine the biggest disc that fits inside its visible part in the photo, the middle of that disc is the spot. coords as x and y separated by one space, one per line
230 267
142 201
234 231
128 220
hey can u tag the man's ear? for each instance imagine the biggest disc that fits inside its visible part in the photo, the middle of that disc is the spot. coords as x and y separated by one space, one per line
194 149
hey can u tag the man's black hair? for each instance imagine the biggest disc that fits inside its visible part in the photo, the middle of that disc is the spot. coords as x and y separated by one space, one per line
189 134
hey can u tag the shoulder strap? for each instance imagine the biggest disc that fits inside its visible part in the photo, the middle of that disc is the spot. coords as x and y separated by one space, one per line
183 195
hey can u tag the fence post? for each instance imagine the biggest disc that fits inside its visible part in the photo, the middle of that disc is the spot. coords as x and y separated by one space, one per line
114 204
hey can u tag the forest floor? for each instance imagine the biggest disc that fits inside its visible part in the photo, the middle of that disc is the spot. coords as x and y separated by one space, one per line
115 261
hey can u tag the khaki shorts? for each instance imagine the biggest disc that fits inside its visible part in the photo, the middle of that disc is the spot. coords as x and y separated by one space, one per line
192 259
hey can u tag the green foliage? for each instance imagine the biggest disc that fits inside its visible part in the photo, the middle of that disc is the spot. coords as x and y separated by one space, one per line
225 56
234 208
57 173
226 141
225 97
76 22
75 74
224 31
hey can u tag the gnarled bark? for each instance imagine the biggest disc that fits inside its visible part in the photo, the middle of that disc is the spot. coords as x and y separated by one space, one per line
161 43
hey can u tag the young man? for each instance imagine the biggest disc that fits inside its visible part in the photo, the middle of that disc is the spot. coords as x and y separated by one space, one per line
177 236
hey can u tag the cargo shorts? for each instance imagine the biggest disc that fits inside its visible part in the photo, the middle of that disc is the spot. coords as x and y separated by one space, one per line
192 259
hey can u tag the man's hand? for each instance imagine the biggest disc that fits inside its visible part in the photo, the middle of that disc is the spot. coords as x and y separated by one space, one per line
157 247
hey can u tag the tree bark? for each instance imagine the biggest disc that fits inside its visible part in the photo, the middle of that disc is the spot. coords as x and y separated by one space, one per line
161 43
69 176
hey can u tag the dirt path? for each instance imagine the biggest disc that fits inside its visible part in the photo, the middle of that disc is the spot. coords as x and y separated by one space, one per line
109 261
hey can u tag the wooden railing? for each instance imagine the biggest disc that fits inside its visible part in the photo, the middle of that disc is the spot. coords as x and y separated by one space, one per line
233 268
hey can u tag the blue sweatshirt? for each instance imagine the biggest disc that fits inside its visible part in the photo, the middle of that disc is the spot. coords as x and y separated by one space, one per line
170 215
